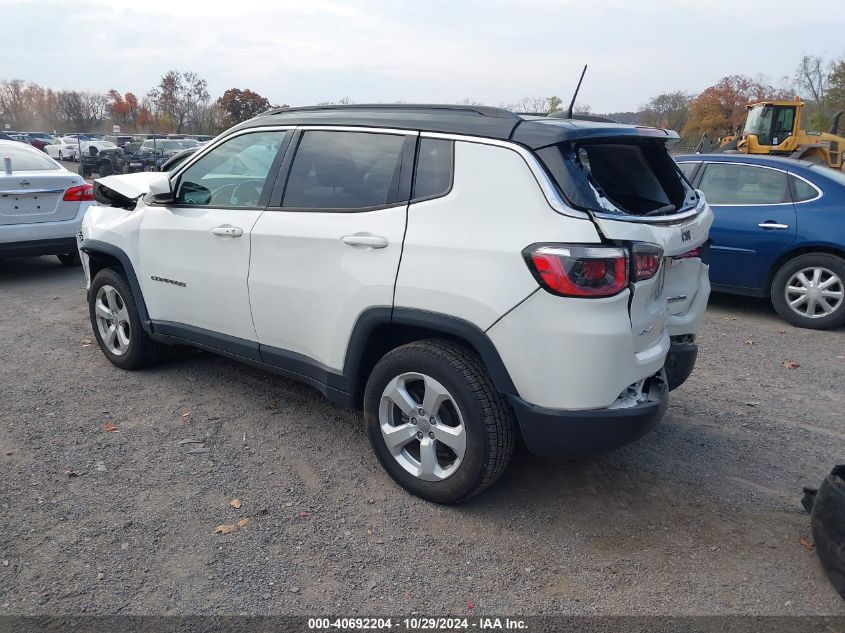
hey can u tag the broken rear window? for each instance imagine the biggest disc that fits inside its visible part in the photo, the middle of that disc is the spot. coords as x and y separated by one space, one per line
630 177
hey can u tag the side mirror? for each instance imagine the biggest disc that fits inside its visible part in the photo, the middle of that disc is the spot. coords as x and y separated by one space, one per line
160 190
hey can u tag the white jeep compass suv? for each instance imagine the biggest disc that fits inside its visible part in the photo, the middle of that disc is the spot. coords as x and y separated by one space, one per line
463 274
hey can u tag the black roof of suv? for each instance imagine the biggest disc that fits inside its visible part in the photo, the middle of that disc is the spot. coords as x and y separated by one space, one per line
484 121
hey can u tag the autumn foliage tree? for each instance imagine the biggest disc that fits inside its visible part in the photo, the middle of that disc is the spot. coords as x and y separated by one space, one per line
236 105
720 109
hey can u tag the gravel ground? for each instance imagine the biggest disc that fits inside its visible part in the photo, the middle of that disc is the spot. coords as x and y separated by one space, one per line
700 517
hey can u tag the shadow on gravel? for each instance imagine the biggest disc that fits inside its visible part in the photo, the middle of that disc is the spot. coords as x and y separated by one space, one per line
752 306
28 269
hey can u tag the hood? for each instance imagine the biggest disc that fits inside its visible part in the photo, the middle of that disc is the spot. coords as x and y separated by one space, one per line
123 190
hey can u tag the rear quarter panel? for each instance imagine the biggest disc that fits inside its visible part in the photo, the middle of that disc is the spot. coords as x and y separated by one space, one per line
462 253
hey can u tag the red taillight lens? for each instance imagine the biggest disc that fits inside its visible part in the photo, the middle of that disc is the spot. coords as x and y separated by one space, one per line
580 271
646 261
80 193
696 252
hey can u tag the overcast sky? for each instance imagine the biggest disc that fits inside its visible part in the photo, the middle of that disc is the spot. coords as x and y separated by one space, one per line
305 51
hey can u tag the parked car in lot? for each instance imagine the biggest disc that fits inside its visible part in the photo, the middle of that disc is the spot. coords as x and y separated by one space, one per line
154 152
41 204
551 276
177 159
778 232
63 149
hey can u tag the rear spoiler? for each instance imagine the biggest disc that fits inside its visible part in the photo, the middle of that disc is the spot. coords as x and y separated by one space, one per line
538 133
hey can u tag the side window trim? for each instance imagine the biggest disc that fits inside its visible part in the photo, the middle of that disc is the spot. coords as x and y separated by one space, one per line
263 199
407 164
451 174
706 164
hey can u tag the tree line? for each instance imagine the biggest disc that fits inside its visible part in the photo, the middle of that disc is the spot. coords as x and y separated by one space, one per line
181 103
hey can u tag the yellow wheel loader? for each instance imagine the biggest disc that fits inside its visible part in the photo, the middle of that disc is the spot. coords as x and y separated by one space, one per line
774 128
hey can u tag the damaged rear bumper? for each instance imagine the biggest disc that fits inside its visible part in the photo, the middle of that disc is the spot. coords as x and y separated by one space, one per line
573 434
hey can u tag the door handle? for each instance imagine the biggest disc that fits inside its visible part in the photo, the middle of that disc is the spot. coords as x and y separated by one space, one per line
771 224
365 239
227 231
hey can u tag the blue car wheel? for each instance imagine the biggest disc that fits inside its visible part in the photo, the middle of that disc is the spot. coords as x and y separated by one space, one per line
809 291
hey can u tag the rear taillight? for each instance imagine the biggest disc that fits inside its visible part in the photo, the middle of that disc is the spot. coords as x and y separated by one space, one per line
580 271
80 193
696 252
646 261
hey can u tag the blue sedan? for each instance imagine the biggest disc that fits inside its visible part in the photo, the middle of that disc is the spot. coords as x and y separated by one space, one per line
778 232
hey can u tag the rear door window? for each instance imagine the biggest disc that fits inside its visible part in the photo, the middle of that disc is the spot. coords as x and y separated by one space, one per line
433 176
726 183
688 169
802 190
344 170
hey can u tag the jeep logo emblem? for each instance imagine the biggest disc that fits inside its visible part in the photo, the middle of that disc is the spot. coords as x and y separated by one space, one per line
685 236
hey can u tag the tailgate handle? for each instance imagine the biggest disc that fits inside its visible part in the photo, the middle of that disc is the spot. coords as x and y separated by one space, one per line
771 224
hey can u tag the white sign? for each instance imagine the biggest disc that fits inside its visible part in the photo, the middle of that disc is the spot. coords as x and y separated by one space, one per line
8 126
115 129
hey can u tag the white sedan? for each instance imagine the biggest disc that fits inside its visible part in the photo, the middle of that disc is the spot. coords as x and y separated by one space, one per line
63 149
41 204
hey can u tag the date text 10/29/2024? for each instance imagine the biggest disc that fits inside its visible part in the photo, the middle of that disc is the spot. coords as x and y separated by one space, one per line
418 623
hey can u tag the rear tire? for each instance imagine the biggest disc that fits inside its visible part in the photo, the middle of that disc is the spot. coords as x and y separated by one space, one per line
69 259
452 435
116 323
809 291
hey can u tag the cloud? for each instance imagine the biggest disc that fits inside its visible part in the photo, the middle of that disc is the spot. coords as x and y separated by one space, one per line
494 51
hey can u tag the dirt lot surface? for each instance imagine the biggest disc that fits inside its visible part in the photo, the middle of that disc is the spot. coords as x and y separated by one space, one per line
700 517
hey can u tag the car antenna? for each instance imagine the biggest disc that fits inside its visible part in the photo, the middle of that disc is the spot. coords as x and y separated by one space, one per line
577 88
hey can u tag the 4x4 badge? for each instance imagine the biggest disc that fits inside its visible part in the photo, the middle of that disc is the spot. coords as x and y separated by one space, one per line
685 236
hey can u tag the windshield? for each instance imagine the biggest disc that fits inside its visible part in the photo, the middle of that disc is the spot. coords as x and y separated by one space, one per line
770 124
164 144
189 142
24 159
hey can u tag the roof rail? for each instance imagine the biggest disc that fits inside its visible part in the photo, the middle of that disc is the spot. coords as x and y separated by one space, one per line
419 108
562 114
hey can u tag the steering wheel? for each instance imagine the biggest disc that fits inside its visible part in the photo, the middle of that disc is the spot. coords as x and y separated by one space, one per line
222 195
246 194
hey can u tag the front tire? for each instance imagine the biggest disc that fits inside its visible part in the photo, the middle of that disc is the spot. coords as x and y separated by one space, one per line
436 422
809 291
116 323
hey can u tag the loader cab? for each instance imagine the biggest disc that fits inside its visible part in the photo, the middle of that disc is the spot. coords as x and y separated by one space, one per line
771 123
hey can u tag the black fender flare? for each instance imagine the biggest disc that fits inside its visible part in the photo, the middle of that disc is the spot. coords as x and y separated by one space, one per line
96 246
435 322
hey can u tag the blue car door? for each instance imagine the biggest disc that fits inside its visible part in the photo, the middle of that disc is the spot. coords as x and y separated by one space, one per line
754 221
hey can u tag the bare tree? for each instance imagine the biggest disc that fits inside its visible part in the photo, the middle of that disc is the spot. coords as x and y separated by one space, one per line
12 102
179 95
527 104
811 78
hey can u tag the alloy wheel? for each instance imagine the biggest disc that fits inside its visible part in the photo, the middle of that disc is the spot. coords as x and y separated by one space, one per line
112 320
422 426
814 292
